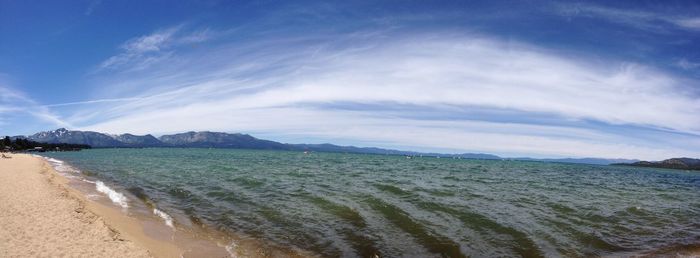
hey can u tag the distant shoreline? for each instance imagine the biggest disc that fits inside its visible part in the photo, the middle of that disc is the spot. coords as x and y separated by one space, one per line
207 139
675 163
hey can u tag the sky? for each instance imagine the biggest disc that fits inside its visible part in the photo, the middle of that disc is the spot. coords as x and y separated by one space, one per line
608 79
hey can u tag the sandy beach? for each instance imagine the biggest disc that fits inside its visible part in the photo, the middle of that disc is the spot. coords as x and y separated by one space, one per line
41 217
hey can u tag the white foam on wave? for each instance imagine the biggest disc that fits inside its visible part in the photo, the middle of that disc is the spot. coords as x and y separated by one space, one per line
52 160
116 197
61 167
168 220
231 249
71 177
64 168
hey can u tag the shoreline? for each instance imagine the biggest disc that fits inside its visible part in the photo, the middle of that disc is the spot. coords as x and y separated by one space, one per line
194 238
144 223
125 225
41 216
144 236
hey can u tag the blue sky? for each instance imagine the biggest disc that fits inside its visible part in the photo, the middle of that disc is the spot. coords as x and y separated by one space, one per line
514 78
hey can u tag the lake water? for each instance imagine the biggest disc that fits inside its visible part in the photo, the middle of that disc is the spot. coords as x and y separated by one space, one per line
354 205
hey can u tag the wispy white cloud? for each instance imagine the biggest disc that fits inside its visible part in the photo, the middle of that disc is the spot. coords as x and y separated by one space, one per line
324 88
690 23
141 52
92 6
687 65
149 43
90 102
198 36
14 102
657 22
136 51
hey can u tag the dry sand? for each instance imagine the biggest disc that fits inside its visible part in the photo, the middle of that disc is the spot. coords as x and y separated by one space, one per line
41 217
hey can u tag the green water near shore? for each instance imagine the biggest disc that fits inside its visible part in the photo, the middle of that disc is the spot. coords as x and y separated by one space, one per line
354 205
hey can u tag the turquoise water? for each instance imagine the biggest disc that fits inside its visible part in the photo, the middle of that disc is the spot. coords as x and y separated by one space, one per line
354 205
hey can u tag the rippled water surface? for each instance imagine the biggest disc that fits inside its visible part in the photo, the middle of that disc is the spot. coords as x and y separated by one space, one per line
358 205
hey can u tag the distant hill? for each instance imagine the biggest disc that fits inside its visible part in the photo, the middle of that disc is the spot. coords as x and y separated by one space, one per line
94 139
138 140
327 147
220 140
674 163
592 161
206 139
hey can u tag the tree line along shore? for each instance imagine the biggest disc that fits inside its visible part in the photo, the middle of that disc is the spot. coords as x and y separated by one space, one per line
24 145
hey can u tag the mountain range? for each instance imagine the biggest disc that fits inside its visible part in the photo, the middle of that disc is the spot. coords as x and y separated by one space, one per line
674 163
206 139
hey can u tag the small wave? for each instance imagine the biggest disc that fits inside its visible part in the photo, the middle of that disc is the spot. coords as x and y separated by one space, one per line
65 168
231 249
116 197
52 160
61 167
168 220
71 177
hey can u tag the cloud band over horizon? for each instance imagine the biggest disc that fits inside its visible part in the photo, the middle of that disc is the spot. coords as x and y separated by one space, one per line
329 91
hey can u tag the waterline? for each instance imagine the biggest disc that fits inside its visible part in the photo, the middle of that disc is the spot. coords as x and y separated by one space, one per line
116 197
